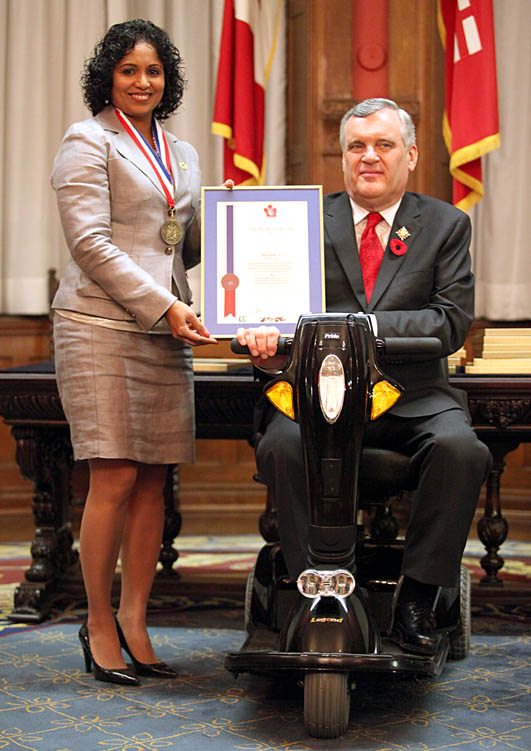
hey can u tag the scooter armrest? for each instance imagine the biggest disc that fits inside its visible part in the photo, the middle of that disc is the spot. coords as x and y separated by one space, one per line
409 347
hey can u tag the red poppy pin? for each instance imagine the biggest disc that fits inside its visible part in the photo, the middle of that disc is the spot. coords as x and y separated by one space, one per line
399 247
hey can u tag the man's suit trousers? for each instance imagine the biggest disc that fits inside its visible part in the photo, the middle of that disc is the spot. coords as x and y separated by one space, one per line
448 459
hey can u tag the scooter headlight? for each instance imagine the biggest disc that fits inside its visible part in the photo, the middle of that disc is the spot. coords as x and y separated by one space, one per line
384 396
280 394
331 387
338 583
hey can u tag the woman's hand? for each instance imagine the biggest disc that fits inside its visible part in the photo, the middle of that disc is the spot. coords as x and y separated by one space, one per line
185 325
262 343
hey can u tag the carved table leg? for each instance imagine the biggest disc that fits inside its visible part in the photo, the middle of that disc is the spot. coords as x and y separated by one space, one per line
493 528
172 522
44 456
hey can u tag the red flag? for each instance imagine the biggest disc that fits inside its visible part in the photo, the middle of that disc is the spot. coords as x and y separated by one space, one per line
470 125
248 41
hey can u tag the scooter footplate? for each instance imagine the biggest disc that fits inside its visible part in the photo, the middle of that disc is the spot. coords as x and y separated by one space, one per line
256 658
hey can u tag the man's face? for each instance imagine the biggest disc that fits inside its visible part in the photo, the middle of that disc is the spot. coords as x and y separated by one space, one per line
376 164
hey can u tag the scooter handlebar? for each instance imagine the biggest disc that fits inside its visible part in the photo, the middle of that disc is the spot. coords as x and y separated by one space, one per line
393 346
283 346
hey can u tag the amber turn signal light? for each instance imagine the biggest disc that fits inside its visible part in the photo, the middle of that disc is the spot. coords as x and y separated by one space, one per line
280 394
383 396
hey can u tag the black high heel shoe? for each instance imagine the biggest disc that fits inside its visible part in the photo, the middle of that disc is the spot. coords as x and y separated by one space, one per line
154 669
126 676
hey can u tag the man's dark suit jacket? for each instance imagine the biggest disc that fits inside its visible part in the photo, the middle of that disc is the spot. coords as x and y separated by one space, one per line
428 291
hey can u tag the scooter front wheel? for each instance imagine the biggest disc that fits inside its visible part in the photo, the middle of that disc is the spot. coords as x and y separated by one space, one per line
326 704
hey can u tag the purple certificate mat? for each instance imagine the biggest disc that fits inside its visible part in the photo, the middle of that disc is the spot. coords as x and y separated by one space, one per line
262 257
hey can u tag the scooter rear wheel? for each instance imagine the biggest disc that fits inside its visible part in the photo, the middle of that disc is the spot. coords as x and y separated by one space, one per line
247 620
460 637
326 704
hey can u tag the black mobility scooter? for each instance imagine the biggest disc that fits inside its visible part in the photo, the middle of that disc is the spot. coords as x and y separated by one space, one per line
333 623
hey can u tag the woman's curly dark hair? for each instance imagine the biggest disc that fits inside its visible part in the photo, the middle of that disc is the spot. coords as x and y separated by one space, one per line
96 79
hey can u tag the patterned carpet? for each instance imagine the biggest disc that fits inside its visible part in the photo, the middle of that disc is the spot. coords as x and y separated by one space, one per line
48 703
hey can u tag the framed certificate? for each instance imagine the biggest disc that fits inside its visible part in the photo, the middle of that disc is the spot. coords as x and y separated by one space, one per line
262 257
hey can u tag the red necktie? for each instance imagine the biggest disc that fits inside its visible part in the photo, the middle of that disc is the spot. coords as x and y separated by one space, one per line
371 253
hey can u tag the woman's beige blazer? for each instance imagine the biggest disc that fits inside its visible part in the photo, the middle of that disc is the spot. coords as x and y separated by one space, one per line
112 207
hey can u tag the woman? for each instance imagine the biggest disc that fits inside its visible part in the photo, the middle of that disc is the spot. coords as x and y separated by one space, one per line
128 196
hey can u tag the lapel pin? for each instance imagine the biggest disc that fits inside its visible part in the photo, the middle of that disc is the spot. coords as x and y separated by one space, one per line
183 165
402 233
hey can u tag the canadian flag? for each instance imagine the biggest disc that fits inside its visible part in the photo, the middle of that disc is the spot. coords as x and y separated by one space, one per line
248 41
470 125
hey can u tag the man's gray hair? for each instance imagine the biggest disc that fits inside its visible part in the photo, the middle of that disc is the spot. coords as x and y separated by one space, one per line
368 107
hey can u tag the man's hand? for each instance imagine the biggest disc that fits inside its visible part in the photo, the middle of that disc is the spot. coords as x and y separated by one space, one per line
262 343
185 325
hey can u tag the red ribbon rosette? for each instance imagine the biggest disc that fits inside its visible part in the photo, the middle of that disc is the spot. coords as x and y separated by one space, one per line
398 247
230 282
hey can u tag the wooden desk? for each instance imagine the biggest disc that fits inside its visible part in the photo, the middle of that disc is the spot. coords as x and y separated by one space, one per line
29 403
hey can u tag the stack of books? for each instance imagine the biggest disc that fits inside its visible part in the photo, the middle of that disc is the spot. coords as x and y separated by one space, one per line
457 361
506 351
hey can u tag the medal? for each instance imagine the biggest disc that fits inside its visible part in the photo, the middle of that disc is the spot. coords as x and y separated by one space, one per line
171 231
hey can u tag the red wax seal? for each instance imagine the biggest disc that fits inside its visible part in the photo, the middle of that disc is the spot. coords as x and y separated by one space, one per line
229 282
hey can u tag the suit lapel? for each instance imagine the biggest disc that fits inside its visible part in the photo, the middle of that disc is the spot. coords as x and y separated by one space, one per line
126 146
407 216
340 228
179 167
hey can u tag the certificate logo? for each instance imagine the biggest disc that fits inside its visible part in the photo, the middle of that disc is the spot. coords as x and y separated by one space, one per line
270 211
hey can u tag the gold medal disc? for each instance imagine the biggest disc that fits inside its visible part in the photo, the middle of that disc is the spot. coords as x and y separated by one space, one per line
171 232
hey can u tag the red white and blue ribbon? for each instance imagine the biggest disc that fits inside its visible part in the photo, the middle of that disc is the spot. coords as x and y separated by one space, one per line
161 164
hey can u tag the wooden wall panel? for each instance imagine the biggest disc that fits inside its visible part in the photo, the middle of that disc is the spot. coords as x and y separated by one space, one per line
218 493
23 339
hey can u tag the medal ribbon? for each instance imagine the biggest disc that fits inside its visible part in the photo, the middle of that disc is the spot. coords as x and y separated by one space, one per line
163 171
230 281
230 293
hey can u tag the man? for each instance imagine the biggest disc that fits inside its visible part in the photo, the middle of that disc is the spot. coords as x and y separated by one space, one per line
420 285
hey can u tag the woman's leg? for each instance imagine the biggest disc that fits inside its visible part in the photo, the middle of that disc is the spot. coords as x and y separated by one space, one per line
111 484
140 552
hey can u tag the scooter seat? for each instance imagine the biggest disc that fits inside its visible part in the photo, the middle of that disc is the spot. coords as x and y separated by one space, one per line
384 473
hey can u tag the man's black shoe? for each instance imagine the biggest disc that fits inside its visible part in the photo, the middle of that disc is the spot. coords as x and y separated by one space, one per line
414 628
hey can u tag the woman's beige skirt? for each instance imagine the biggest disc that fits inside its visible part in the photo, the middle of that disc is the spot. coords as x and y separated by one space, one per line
126 395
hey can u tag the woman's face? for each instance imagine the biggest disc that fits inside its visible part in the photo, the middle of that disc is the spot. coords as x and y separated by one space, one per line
138 83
